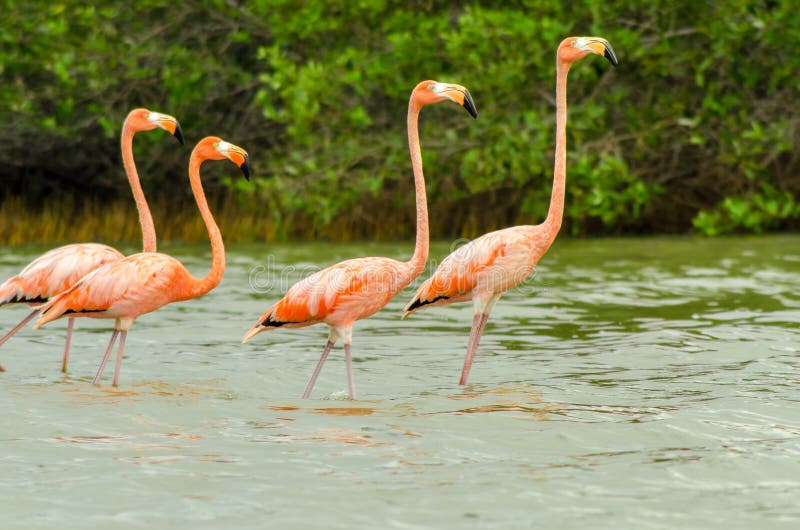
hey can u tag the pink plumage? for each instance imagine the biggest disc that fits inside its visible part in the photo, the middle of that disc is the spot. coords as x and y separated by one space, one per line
338 295
490 265
60 268
124 289
55 271
354 289
141 283
50 274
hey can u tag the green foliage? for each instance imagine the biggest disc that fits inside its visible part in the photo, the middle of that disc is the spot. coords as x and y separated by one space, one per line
697 127
758 212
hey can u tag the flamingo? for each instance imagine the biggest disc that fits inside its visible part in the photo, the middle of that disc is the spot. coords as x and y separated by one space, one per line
59 269
354 289
488 266
141 283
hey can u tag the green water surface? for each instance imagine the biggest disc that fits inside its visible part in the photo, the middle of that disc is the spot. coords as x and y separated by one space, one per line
630 383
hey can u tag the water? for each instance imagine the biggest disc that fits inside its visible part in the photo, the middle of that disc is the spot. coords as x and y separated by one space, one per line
632 383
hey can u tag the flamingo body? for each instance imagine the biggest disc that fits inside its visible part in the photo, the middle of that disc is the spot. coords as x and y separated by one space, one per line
483 268
55 271
337 295
50 274
124 289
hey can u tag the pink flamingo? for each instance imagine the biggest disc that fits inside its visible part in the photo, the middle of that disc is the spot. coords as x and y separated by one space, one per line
141 283
490 265
59 269
355 289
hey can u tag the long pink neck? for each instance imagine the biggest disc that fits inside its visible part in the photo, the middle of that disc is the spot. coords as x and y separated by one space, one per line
214 276
556 212
417 263
145 218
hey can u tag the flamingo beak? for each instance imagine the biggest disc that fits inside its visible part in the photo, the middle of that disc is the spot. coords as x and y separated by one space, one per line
178 134
460 95
603 48
246 167
608 53
469 104
237 155
255 330
168 123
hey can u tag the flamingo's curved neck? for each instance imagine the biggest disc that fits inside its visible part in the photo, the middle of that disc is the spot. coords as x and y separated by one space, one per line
420 257
214 276
556 211
145 218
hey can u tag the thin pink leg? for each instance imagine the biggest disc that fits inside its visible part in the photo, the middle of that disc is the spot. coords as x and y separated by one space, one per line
318 369
473 330
117 366
478 323
66 347
102 366
15 329
348 360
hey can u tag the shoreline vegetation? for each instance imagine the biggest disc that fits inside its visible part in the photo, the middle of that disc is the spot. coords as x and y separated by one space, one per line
115 221
69 220
695 132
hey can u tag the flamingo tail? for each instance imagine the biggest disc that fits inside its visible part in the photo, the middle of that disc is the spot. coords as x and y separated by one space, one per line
14 290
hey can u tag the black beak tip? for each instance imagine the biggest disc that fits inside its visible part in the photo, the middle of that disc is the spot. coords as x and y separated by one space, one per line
469 104
246 168
178 134
611 56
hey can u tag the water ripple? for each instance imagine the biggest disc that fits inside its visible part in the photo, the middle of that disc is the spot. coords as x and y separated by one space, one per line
642 383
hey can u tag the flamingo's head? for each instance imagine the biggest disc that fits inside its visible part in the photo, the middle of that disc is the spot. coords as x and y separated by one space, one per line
215 148
146 120
428 92
573 48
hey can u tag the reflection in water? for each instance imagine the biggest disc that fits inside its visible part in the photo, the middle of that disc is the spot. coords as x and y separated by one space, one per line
99 440
338 436
345 411
643 383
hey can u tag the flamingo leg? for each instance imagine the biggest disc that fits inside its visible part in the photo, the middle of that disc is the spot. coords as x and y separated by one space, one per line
102 366
478 324
348 360
65 360
15 329
471 347
317 369
117 366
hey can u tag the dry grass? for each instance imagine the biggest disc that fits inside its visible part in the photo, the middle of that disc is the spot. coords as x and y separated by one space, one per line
69 221
116 222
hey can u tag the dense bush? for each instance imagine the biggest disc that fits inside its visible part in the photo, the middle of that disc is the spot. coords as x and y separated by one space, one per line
698 126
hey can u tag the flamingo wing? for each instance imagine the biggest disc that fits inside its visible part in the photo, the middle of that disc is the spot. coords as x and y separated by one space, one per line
338 295
492 263
125 289
56 271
